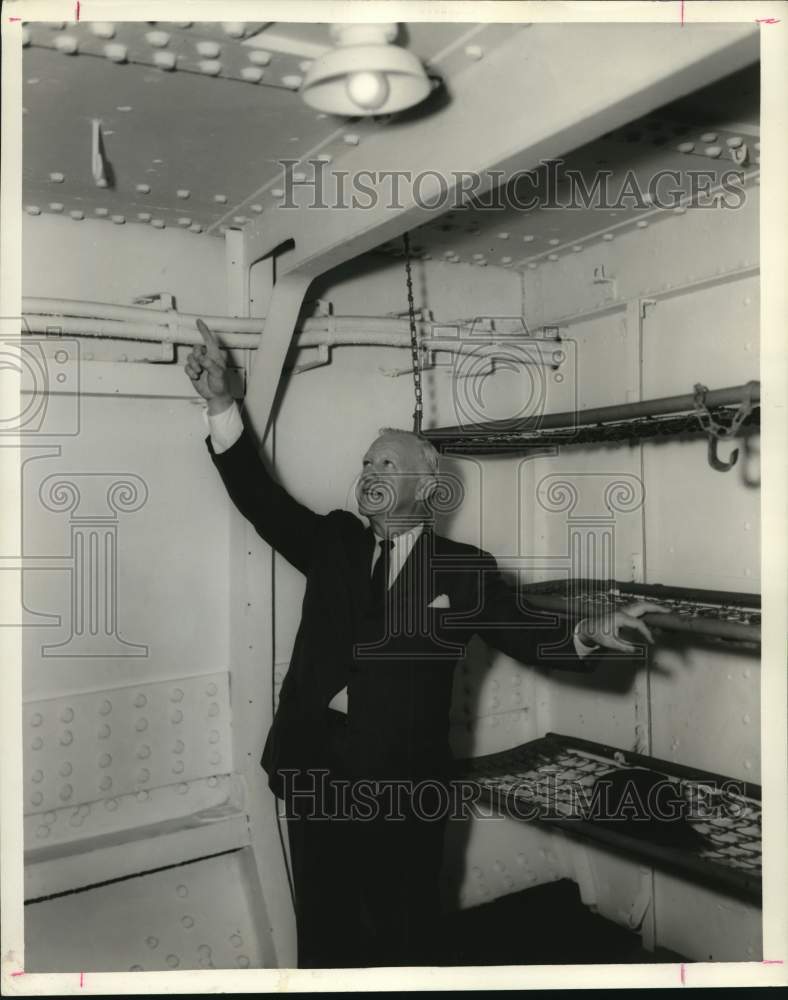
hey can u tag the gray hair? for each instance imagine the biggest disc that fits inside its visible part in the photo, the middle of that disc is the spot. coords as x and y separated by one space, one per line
427 451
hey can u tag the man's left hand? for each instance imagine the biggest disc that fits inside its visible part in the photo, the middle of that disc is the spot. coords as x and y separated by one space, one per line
604 630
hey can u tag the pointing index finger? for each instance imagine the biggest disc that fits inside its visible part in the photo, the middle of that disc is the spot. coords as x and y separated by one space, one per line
211 343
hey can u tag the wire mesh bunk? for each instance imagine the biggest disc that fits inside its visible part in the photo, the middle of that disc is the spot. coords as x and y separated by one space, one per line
710 830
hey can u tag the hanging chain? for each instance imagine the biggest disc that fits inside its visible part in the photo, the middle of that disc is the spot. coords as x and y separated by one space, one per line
414 341
707 421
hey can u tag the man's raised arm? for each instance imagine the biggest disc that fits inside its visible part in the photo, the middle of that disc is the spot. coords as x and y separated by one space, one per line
288 526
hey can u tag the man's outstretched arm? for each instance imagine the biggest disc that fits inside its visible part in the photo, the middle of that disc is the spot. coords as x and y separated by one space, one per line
288 526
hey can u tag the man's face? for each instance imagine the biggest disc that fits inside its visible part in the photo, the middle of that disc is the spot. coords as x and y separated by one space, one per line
392 480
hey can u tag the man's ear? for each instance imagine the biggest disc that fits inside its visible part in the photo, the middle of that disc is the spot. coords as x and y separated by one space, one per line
427 486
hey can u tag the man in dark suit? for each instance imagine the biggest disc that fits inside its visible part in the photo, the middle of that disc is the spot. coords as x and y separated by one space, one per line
359 748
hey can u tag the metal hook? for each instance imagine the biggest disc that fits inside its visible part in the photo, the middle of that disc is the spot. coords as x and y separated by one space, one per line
715 461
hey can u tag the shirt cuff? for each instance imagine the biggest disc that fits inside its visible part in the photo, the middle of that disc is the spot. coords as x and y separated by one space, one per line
581 648
225 427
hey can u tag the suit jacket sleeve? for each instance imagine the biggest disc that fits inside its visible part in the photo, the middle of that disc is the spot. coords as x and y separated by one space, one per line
287 526
508 622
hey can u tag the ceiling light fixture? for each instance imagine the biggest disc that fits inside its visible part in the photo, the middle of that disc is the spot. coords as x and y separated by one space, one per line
365 74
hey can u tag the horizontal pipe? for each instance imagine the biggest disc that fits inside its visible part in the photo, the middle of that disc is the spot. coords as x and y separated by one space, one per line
728 396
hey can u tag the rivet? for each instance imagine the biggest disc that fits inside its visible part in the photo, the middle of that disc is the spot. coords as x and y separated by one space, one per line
528 239
242 961
144 216
158 39
252 74
106 707
142 188
49 817
259 57
183 788
38 776
66 44
177 767
577 248
152 942
173 961
157 223
506 261
140 701
239 219
211 67
124 107
608 236
184 221
143 796
105 760
221 199
553 256
36 798
66 738
141 725
713 151
236 940
235 29
532 266
734 142
36 719
474 51
106 783
65 769
78 215
143 751
164 60
256 208
213 781
37 743
111 804
209 49
66 792
196 228
350 139
478 256
292 80
708 137
183 193
182 891
178 747
214 758
187 921
642 224
102 29
554 242
101 212
116 52
177 716
143 775
56 177
503 236
119 219
42 831
685 147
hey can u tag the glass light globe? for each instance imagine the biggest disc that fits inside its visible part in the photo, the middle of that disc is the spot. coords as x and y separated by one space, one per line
367 89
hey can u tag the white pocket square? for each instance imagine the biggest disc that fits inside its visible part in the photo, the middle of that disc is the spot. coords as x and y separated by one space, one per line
441 601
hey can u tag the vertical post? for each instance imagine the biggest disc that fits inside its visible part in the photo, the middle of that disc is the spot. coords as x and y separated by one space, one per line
252 667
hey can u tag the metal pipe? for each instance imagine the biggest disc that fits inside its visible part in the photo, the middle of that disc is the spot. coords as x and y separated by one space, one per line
728 396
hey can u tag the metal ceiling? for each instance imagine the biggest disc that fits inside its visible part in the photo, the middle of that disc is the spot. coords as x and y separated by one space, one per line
198 146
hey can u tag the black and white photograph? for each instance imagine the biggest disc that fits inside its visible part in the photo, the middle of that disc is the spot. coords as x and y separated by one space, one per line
393 574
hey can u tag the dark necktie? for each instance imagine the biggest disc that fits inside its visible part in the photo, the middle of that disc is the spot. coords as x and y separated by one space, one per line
380 572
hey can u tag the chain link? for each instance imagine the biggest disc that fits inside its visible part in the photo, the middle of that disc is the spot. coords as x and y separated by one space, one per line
414 341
